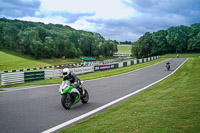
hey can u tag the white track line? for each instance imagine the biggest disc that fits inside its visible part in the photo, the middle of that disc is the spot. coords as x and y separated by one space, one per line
27 88
105 106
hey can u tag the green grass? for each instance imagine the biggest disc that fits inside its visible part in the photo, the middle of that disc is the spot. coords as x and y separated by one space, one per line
197 55
124 49
170 106
105 58
88 76
12 61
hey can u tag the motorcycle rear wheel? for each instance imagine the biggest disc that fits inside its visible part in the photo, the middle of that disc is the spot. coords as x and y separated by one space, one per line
66 101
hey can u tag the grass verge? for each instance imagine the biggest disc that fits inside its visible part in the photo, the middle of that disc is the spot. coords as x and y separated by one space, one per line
89 76
11 60
196 55
124 49
172 105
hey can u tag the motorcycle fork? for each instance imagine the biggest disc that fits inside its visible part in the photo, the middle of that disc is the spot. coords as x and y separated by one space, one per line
68 97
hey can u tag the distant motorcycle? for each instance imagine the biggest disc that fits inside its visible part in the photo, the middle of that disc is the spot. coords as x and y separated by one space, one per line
71 96
168 66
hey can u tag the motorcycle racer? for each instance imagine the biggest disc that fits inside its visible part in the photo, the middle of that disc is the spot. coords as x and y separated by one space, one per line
168 65
72 78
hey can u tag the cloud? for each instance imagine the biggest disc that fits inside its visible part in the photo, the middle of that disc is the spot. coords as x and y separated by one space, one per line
168 6
114 19
106 9
18 8
146 16
190 9
153 15
68 17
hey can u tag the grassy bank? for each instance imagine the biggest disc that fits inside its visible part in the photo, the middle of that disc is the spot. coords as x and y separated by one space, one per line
124 49
11 60
172 105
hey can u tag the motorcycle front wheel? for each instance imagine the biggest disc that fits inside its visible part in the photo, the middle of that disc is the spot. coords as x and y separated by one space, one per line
85 97
66 101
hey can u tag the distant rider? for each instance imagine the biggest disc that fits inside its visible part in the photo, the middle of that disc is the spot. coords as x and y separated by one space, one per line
167 64
72 78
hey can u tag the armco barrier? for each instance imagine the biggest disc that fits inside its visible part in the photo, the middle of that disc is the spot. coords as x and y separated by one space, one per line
12 78
135 61
104 67
140 60
116 65
132 62
124 64
49 74
128 63
33 76
21 77
143 60
82 70
120 64
95 63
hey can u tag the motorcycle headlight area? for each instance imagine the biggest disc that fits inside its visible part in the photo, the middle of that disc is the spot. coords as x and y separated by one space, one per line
61 90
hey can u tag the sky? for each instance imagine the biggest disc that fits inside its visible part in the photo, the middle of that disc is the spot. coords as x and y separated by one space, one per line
121 20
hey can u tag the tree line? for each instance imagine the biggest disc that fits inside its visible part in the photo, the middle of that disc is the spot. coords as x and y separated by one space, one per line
52 40
173 40
125 42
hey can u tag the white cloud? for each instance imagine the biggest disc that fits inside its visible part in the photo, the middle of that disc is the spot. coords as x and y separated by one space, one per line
128 1
113 19
100 9
74 6
103 9
83 25
124 36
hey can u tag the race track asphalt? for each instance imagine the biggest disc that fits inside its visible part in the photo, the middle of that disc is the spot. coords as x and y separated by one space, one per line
38 109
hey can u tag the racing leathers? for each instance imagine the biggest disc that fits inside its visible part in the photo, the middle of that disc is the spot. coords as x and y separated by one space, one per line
72 78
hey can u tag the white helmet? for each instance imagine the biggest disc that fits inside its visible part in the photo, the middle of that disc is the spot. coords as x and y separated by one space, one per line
66 72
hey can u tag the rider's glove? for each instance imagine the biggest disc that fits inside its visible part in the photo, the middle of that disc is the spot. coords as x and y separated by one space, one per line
75 84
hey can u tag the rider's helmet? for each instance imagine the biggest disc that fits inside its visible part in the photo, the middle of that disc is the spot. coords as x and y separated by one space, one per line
66 72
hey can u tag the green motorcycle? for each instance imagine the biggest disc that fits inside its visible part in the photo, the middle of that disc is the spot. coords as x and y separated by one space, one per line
71 95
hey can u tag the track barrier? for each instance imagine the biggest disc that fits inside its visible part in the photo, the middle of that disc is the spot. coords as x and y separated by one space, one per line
22 77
